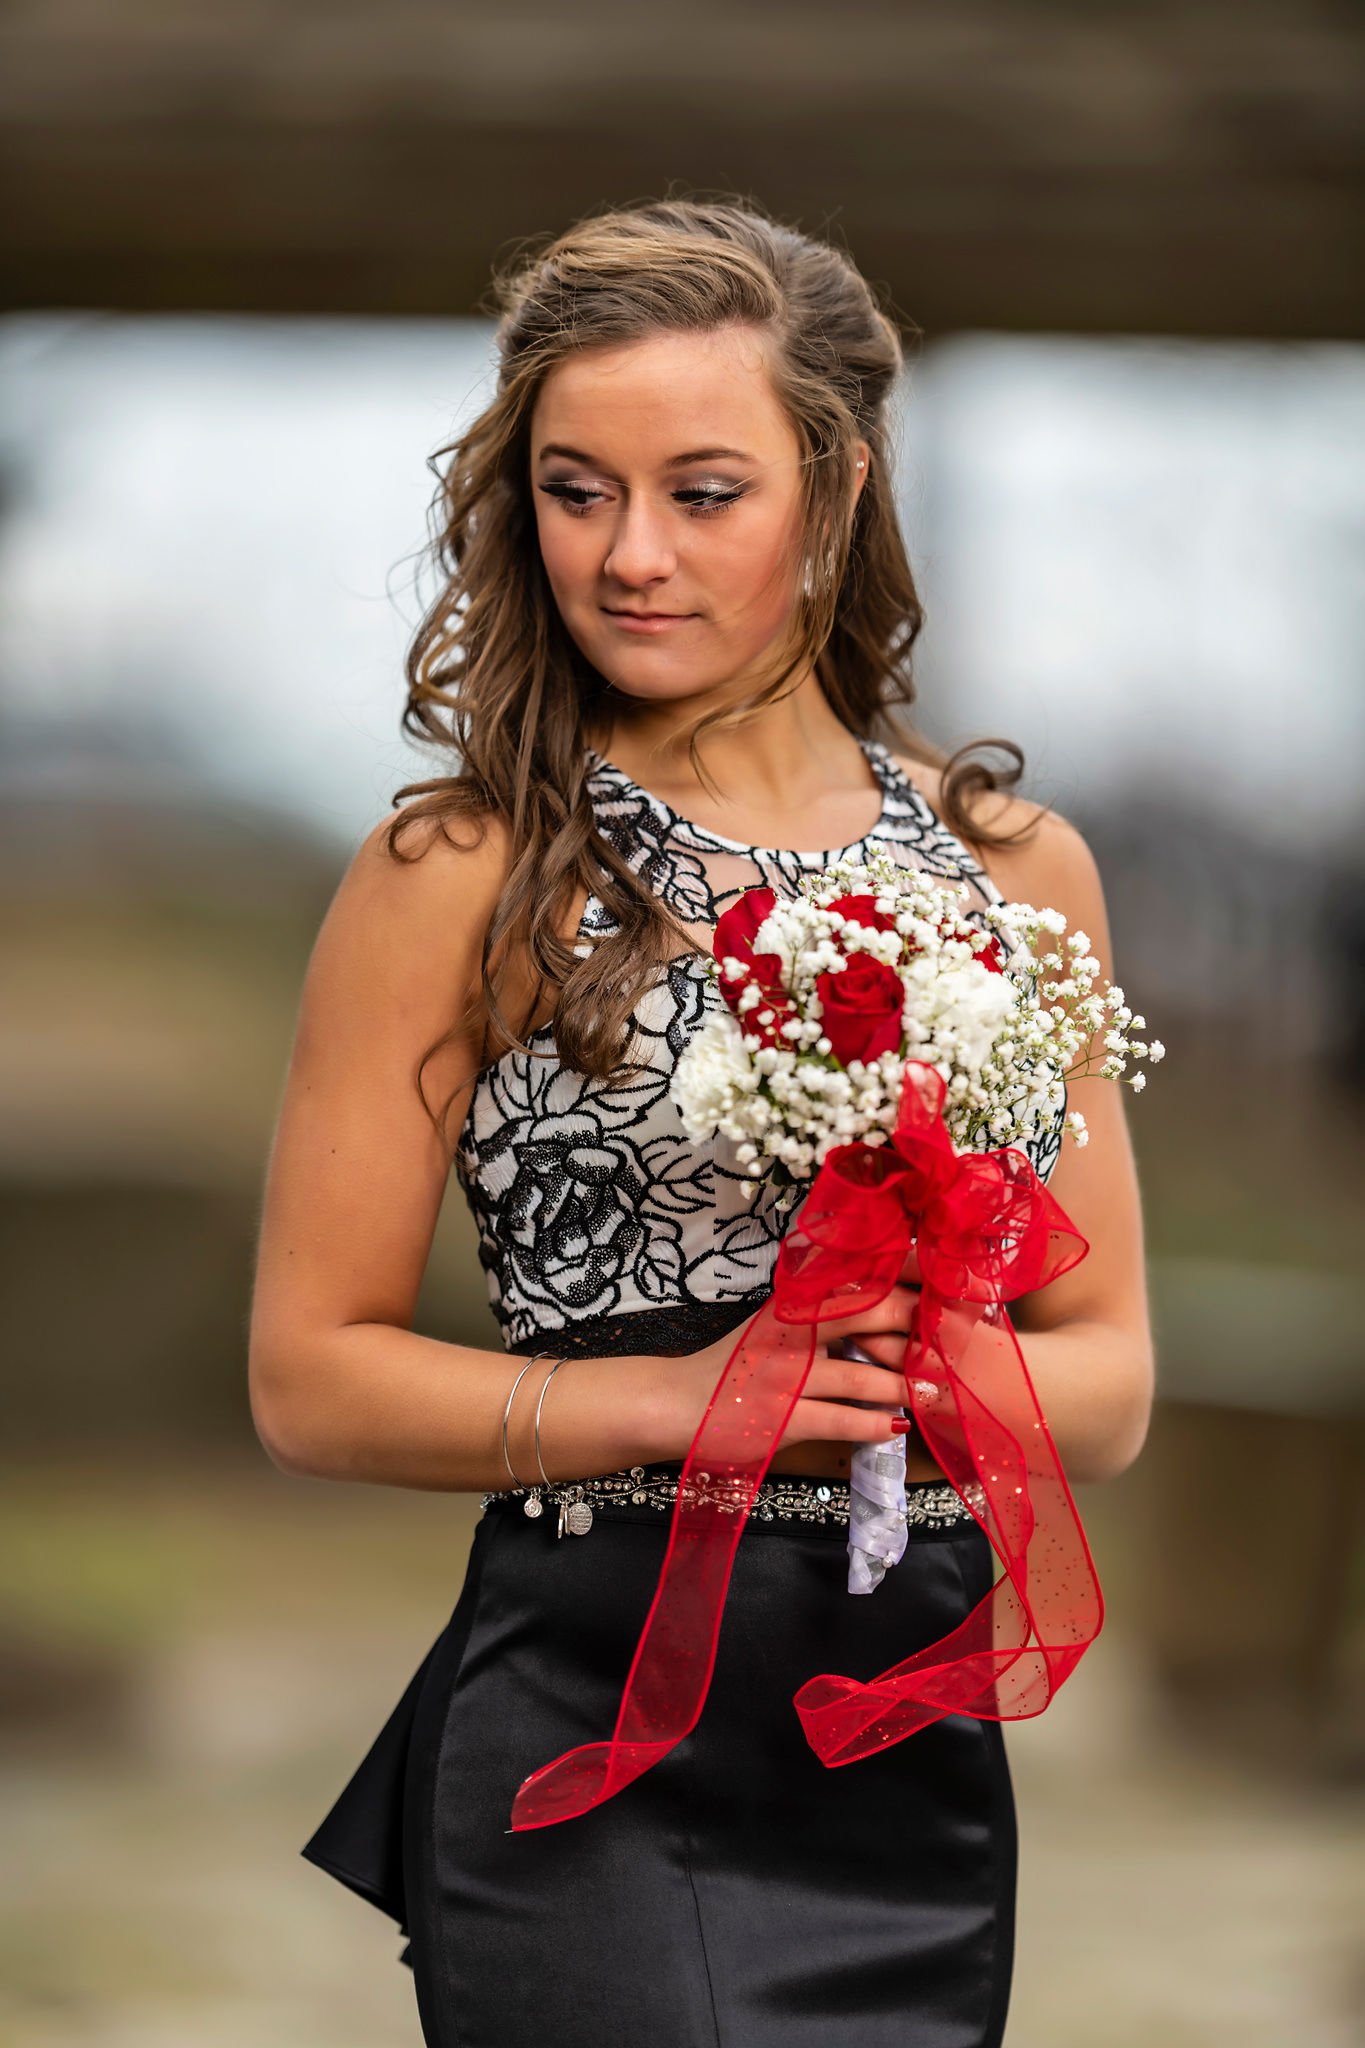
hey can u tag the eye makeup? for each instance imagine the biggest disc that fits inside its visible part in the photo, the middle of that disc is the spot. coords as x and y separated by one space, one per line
574 497
712 494
699 500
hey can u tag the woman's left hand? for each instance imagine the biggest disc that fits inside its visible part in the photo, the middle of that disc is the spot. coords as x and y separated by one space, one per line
886 1350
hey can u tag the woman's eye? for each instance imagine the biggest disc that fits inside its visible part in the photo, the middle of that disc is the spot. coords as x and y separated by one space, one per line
576 498
697 499
703 498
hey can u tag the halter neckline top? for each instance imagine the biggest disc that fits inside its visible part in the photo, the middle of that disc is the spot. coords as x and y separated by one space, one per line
883 764
590 1199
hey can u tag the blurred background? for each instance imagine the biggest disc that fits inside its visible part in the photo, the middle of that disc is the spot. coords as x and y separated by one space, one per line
243 255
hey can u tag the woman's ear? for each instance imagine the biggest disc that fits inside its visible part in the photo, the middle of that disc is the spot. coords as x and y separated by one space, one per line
862 463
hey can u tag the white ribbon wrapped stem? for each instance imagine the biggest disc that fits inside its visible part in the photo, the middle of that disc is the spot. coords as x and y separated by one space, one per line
877 1532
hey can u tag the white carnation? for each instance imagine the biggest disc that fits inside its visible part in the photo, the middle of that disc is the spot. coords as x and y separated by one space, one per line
712 1076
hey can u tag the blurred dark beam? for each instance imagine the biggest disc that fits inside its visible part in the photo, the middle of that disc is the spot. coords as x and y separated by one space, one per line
1181 168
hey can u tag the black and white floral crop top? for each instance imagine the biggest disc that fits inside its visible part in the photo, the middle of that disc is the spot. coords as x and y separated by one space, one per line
589 1197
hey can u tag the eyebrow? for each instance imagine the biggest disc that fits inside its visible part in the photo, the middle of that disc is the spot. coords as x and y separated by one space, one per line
674 462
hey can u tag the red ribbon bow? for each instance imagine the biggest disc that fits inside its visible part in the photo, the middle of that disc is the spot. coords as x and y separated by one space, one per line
986 1231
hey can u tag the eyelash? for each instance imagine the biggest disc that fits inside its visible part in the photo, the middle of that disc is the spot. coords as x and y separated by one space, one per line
701 503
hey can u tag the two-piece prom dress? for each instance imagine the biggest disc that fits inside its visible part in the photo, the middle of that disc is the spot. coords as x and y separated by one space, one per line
740 1894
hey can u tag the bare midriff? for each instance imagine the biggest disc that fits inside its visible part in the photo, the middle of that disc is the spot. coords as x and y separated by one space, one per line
834 1460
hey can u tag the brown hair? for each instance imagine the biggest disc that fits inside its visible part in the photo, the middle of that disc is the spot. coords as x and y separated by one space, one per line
493 674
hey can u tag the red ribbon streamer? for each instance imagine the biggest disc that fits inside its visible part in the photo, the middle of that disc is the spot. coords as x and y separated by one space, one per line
986 1231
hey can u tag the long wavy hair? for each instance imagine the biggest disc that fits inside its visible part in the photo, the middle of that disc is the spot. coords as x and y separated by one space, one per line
494 678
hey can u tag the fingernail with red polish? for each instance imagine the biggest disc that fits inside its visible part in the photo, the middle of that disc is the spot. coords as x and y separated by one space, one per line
900 1425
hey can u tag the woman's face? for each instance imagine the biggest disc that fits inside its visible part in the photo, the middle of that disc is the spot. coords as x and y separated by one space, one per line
668 493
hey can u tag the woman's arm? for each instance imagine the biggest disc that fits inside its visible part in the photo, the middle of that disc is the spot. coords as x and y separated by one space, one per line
341 1387
1086 1338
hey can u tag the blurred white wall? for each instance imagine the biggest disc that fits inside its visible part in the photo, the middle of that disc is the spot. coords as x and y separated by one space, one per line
1143 560
1140 559
209 543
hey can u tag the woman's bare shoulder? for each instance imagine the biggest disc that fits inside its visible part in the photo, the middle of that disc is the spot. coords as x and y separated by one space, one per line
416 908
414 864
1032 854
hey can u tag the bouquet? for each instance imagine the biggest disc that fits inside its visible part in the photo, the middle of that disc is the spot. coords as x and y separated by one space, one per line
831 993
888 1059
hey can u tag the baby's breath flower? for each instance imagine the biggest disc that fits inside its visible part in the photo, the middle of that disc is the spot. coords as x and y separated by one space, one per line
1003 1043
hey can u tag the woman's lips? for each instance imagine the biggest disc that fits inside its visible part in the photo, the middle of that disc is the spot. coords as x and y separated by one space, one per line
648 622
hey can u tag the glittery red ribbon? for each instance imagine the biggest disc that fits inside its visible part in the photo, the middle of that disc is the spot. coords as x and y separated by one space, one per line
986 1230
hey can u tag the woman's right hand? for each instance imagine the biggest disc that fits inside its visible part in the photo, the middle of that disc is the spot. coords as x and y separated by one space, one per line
844 1400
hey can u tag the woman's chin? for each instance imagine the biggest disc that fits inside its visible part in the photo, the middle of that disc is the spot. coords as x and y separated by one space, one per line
671 682
654 672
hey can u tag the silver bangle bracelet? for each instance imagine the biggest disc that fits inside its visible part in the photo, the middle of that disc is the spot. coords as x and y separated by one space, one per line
507 1411
539 1405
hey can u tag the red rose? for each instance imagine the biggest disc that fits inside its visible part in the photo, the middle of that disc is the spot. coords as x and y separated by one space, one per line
734 940
991 955
862 1009
863 910
735 929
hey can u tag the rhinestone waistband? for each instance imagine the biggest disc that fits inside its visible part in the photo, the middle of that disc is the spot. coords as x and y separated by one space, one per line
789 1497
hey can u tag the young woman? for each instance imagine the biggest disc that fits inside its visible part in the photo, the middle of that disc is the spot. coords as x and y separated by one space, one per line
676 619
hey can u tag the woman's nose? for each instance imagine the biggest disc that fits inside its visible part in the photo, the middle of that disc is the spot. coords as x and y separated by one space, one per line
642 550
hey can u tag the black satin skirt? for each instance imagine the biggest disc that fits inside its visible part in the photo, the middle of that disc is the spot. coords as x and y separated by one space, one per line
738 1895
